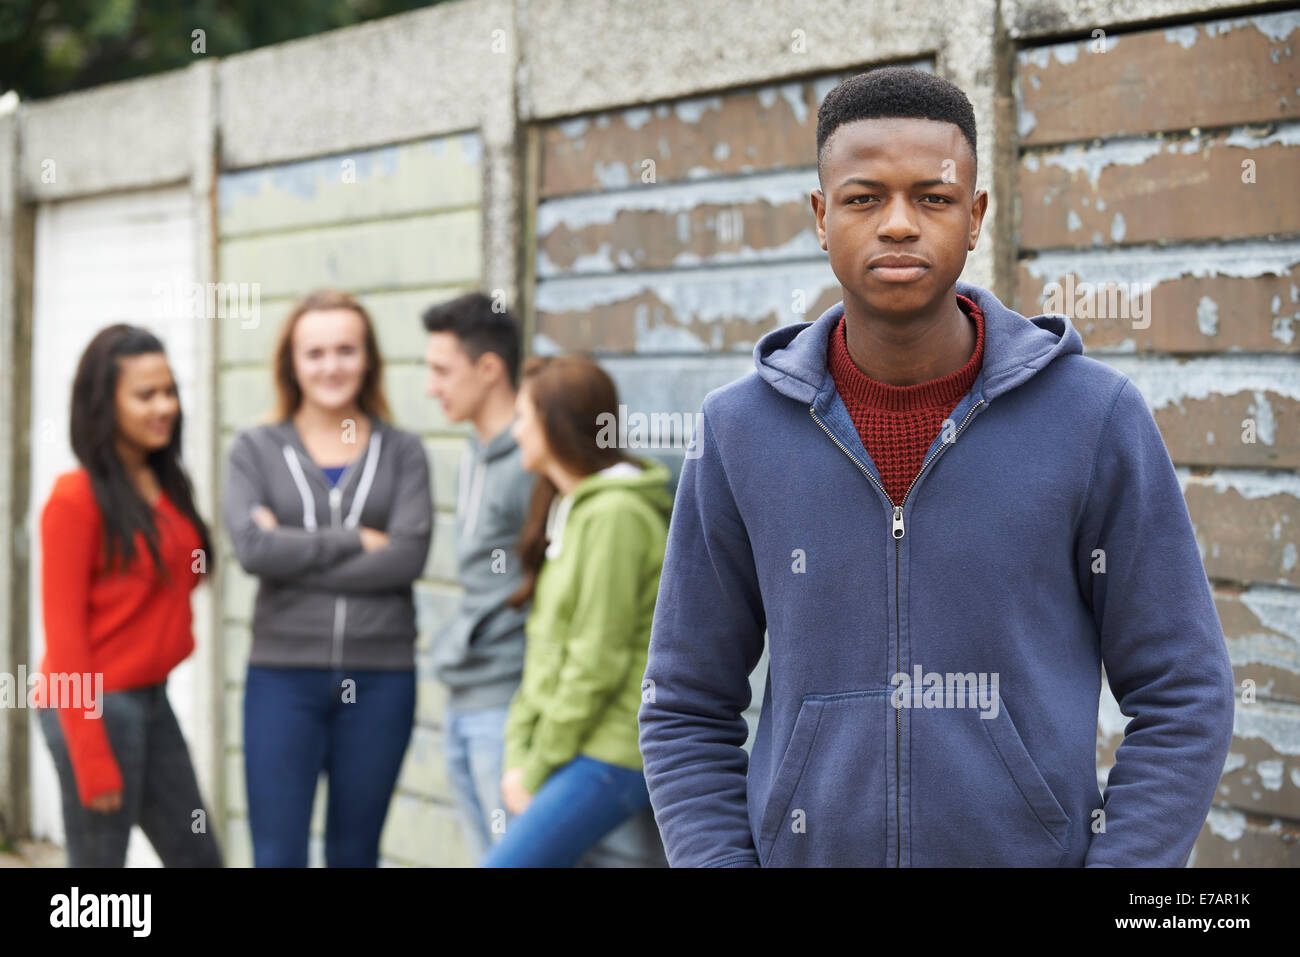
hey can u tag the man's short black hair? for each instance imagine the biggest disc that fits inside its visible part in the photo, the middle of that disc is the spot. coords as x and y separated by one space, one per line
479 327
893 91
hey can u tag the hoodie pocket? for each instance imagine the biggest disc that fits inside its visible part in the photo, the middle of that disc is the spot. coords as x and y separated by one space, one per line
827 804
977 797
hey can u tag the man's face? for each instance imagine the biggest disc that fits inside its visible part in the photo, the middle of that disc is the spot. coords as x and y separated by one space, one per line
459 383
898 215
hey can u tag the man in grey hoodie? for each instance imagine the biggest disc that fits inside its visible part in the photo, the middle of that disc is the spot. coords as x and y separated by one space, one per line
473 360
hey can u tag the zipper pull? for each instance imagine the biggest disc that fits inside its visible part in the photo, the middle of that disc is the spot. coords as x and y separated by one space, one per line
898 521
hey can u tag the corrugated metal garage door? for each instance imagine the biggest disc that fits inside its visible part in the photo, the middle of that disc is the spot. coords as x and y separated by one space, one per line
1165 163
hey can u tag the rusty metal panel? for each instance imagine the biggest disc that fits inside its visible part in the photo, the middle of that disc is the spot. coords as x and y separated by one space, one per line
1231 839
694 310
1236 184
1218 73
768 128
1247 525
1200 300
1262 629
750 219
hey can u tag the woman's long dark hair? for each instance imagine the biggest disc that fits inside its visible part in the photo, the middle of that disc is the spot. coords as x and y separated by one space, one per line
569 393
123 510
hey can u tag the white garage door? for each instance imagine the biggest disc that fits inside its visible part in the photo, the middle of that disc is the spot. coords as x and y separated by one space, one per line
100 261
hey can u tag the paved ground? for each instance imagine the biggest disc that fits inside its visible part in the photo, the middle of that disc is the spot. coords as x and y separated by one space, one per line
33 854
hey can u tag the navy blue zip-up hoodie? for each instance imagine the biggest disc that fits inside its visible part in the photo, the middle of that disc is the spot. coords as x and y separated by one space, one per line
1045 536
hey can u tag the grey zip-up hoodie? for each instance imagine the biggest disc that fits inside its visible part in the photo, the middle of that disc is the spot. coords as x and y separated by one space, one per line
324 602
479 654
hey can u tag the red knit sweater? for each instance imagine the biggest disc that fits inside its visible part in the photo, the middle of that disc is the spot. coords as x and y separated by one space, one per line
132 626
898 423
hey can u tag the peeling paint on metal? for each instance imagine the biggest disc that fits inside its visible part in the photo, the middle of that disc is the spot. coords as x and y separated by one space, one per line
1233 762
612 175
1278 729
578 211
1156 264
691 110
1185 37
706 295
1245 482
572 129
1265 422
792 93
1276 26
1207 316
1286 134
1227 824
1120 151
1270 774
1163 381
1117 228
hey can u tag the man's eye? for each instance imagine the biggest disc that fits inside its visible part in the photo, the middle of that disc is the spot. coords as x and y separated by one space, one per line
855 199
942 199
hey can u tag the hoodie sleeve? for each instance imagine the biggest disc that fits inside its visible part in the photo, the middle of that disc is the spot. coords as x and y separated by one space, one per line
1161 644
706 639
277 552
410 531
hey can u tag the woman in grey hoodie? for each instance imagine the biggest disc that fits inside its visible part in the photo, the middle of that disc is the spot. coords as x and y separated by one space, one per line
331 508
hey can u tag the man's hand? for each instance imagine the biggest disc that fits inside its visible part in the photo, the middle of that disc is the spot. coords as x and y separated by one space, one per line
264 518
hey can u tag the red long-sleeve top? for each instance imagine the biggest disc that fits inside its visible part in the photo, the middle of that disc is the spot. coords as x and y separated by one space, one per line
133 625
898 423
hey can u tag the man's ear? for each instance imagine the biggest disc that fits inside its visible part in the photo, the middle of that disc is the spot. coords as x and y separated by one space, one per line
979 206
819 213
493 366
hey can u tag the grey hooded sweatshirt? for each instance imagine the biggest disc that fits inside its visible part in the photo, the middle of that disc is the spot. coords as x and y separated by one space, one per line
322 601
479 654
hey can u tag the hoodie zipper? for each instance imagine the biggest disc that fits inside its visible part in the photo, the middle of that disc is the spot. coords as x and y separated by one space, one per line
340 603
898 531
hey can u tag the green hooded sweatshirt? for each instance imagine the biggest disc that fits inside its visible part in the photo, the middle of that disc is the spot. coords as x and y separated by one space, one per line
589 628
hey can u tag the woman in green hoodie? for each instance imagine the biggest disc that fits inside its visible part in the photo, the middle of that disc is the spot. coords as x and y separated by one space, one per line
592 549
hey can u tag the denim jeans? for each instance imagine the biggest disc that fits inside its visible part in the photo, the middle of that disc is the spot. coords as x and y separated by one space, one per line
474 743
299 722
159 790
577 805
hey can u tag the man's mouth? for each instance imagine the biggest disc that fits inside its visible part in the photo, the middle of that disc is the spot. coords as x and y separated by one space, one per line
898 273
898 268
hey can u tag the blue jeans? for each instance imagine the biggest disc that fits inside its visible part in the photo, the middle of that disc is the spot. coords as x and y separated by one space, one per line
578 804
159 790
474 743
299 722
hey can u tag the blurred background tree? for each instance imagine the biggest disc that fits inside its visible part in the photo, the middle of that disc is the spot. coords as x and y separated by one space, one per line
49 47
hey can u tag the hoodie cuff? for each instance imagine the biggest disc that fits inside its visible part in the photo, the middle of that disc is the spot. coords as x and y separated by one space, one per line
536 771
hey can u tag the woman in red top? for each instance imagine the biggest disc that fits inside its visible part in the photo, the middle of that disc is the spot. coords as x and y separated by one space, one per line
122 547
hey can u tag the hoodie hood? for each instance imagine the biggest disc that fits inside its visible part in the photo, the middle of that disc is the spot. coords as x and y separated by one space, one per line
792 359
646 478
650 481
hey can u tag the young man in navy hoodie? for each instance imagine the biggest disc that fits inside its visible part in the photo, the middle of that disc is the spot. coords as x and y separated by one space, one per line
947 520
